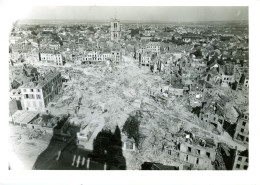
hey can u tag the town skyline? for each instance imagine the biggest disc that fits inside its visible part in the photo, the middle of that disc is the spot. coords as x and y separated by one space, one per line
140 13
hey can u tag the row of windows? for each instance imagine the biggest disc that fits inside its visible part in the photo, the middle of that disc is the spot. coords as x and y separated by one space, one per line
90 55
226 79
152 47
32 90
198 152
51 56
187 156
239 166
115 53
214 119
32 96
34 104
240 159
242 138
45 58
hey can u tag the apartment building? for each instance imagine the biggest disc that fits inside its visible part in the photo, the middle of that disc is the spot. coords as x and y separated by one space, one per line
146 59
37 95
153 47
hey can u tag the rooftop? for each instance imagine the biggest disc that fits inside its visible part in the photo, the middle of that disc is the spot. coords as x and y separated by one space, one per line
39 84
24 117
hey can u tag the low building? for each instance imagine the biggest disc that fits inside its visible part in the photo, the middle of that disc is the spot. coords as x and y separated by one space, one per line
83 137
23 118
128 144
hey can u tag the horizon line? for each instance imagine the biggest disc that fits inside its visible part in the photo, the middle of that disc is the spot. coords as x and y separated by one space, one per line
135 21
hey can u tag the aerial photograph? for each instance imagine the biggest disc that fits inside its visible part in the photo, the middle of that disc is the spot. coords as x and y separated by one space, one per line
129 88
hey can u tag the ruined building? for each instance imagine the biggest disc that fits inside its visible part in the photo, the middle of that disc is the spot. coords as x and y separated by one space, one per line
198 153
242 129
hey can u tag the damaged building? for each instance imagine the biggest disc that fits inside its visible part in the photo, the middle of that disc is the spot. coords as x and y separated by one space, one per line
37 95
198 153
210 114
242 129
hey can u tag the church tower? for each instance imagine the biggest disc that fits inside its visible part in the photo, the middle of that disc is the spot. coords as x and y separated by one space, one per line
115 30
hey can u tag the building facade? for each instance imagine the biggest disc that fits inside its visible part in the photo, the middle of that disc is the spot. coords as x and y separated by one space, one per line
242 129
153 47
37 95
198 157
116 56
241 160
95 56
54 58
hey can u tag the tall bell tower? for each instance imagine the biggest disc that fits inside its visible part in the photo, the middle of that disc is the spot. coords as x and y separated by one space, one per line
115 30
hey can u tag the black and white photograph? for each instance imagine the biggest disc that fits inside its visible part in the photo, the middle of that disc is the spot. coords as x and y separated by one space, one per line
138 92
129 88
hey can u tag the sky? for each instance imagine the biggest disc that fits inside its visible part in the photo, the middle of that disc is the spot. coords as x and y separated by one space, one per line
140 13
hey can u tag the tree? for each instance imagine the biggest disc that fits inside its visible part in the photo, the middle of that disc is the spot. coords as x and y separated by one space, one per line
91 28
134 32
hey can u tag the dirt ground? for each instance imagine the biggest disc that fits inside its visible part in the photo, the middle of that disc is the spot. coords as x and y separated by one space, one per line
24 151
